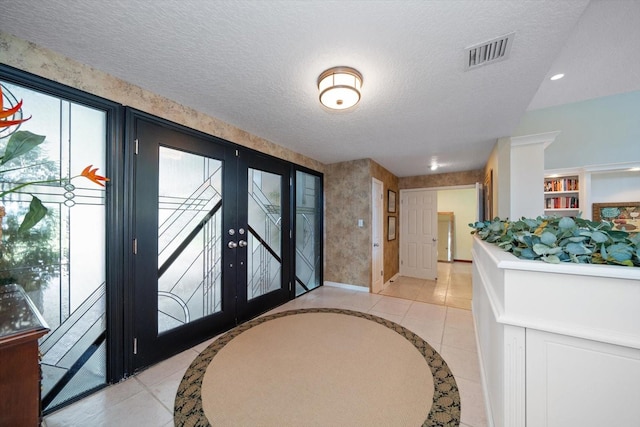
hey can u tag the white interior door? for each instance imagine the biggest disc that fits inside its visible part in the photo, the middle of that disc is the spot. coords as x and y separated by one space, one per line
377 231
418 233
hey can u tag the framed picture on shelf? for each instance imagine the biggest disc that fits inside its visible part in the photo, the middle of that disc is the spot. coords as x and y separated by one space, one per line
391 203
391 232
624 215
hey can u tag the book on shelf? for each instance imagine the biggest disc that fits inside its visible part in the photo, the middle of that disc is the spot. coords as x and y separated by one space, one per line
561 184
561 203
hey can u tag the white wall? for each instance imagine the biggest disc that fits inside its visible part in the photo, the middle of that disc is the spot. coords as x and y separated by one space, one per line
615 187
594 132
462 202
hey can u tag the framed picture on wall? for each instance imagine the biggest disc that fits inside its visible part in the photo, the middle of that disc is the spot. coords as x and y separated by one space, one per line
624 215
391 232
488 196
391 204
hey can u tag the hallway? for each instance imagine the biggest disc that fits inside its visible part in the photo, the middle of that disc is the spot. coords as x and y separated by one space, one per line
452 289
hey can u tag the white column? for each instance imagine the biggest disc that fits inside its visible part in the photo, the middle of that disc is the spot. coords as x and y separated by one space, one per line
526 172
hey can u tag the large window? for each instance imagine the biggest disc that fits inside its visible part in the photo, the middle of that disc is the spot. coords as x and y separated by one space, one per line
308 245
60 262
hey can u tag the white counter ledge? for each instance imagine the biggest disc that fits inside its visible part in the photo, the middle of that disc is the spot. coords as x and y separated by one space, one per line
559 344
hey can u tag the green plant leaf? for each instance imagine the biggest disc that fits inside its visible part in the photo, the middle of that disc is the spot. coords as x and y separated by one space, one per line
577 249
554 251
563 239
548 238
635 239
37 211
506 246
619 252
20 143
540 249
496 226
551 259
599 237
527 253
566 223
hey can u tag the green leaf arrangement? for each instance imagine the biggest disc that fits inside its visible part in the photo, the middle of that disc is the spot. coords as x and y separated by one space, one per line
562 239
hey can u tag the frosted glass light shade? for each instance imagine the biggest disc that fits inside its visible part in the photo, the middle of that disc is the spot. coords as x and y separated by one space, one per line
340 87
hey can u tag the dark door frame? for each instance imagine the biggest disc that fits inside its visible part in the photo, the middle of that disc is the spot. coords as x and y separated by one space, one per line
119 168
237 161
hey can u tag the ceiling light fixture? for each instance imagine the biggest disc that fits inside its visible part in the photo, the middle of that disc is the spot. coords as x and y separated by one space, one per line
340 87
434 166
557 76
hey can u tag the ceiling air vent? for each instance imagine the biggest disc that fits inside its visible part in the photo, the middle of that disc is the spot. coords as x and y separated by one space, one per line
488 52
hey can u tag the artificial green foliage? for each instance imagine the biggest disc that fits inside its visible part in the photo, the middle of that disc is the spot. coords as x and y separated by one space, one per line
19 144
555 240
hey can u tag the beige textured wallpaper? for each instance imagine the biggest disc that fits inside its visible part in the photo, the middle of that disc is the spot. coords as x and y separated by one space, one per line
348 198
32 58
442 179
347 253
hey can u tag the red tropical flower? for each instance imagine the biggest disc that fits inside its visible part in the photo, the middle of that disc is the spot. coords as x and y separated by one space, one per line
91 175
9 112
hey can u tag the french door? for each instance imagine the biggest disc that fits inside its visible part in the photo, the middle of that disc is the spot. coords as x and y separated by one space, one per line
211 241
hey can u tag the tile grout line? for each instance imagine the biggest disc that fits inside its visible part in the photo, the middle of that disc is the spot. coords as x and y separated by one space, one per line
154 396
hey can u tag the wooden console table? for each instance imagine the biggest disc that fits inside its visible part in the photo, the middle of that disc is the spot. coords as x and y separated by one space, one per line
21 325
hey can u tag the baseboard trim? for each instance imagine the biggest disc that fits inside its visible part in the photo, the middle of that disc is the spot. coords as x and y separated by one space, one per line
346 286
388 282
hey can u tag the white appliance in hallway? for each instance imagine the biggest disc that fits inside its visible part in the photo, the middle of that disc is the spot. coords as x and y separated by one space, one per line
418 233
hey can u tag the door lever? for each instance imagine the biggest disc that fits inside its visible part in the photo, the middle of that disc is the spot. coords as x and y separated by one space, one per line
242 243
232 245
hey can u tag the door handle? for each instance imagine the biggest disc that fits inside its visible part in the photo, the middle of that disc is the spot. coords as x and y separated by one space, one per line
232 245
242 243
434 239
375 245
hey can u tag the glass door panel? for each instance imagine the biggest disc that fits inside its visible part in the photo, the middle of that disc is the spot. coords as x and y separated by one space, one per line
308 232
189 238
264 205
264 252
180 294
213 238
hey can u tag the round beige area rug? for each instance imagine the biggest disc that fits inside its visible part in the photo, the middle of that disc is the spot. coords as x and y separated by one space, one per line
318 367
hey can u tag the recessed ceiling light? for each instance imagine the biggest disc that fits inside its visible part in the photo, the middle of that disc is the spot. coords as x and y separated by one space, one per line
557 76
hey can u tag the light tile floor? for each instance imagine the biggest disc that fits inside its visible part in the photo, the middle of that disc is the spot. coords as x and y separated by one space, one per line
146 399
453 287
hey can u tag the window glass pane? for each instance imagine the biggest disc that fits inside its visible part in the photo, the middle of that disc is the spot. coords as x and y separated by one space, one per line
264 258
308 236
189 238
60 262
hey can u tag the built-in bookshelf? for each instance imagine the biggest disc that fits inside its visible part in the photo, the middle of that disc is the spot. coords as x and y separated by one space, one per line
562 195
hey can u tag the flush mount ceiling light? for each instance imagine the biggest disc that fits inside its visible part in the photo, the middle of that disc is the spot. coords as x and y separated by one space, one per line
557 76
340 87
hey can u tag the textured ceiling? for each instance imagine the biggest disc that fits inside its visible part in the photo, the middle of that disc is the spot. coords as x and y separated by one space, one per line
255 64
